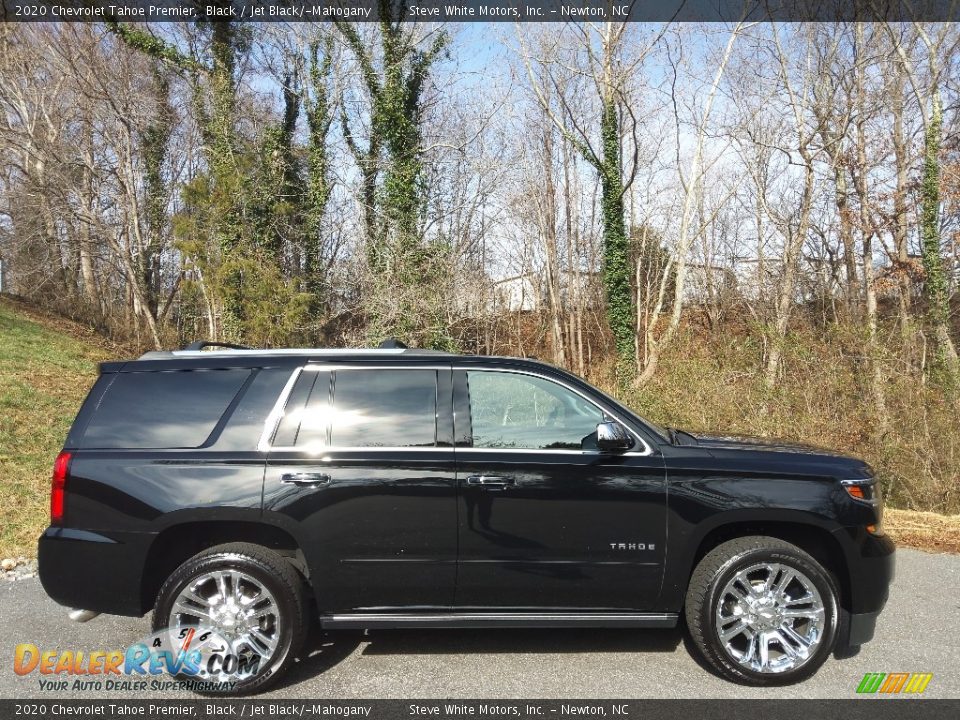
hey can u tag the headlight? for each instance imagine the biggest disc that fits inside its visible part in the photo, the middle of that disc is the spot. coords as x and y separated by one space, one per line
867 490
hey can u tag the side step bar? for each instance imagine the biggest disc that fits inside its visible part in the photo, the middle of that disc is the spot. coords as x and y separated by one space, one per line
381 620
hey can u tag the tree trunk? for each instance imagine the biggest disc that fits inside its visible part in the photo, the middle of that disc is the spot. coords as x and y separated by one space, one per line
938 301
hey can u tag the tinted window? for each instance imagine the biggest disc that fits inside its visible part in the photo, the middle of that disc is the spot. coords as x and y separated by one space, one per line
384 408
306 417
243 430
510 410
162 409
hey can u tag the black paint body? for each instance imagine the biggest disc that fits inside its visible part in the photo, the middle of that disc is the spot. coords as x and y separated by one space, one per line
402 530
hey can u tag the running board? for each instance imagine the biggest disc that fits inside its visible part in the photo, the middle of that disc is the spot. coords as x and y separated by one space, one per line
498 620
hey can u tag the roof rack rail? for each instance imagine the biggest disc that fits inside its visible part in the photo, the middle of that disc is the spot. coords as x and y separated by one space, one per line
201 344
392 344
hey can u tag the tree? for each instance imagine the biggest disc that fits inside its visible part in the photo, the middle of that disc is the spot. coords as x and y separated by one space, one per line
939 42
601 49
394 69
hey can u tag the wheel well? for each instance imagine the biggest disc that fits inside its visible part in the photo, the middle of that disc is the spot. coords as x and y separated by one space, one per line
812 539
175 545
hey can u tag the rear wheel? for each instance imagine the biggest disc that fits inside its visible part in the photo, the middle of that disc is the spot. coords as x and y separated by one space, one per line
761 611
242 606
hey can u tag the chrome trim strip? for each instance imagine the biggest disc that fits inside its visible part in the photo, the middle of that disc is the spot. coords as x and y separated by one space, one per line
319 366
273 419
647 450
499 619
444 617
276 414
449 448
287 351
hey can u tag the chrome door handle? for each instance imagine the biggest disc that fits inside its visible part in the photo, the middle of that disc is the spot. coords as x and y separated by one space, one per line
493 481
305 479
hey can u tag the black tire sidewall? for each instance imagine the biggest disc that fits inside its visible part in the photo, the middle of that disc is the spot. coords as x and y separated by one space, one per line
821 579
264 574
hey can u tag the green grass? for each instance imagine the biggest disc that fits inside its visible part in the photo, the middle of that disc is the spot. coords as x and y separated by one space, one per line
45 373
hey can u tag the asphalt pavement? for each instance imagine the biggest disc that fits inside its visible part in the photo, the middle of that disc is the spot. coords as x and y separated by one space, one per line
918 632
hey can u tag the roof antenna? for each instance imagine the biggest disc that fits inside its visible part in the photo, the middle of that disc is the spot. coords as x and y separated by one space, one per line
392 344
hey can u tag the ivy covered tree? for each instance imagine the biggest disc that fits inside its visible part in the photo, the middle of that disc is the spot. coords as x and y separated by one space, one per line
406 270
250 210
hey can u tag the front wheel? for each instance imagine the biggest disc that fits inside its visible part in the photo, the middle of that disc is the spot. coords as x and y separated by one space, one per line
762 611
241 609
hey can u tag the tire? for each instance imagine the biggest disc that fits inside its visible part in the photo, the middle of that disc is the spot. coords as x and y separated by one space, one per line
275 638
718 597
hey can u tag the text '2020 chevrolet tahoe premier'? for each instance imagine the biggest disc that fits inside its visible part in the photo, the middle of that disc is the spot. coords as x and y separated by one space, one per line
241 494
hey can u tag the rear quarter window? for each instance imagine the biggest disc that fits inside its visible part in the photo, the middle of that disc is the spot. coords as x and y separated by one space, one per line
147 410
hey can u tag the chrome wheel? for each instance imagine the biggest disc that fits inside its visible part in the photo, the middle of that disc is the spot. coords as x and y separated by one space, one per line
770 618
237 623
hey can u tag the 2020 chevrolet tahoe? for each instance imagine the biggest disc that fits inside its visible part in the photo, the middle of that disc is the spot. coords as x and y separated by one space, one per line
243 494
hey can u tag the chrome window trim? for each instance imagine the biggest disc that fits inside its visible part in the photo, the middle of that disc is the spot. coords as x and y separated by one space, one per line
276 414
647 450
317 352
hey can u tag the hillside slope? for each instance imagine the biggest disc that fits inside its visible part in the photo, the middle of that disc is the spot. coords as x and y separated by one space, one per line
47 365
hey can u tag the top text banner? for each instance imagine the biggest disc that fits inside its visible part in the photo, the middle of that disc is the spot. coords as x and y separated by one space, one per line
479 10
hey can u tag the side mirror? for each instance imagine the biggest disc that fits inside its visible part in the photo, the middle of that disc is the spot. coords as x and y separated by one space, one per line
612 436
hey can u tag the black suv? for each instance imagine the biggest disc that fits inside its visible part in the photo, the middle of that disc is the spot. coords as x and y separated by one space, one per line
242 494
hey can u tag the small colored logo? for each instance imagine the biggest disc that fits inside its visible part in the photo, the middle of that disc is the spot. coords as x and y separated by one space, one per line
894 683
197 657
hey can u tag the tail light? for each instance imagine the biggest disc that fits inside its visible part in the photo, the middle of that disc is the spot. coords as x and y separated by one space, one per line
58 487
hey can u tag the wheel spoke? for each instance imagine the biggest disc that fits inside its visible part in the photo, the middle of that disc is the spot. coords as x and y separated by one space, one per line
764 650
804 613
222 585
264 640
738 594
189 595
750 654
807 597
738 628
780 587
746 584
787 647
768 583
235 585
264 609
787 632
192 609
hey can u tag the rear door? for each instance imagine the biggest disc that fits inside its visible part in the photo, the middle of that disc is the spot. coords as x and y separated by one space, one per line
361 466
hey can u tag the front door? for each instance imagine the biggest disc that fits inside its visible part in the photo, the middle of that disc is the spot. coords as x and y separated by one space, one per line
546 520
361 469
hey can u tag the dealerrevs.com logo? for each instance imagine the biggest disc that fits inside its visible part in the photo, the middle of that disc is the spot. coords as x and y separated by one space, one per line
894 683
197 659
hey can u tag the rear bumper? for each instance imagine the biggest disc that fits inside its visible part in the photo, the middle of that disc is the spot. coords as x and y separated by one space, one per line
89 571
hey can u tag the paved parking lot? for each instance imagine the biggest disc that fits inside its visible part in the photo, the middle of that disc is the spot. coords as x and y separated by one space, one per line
918 632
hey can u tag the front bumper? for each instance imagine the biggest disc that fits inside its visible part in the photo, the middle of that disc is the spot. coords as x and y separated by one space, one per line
89 571
861 628
871 568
